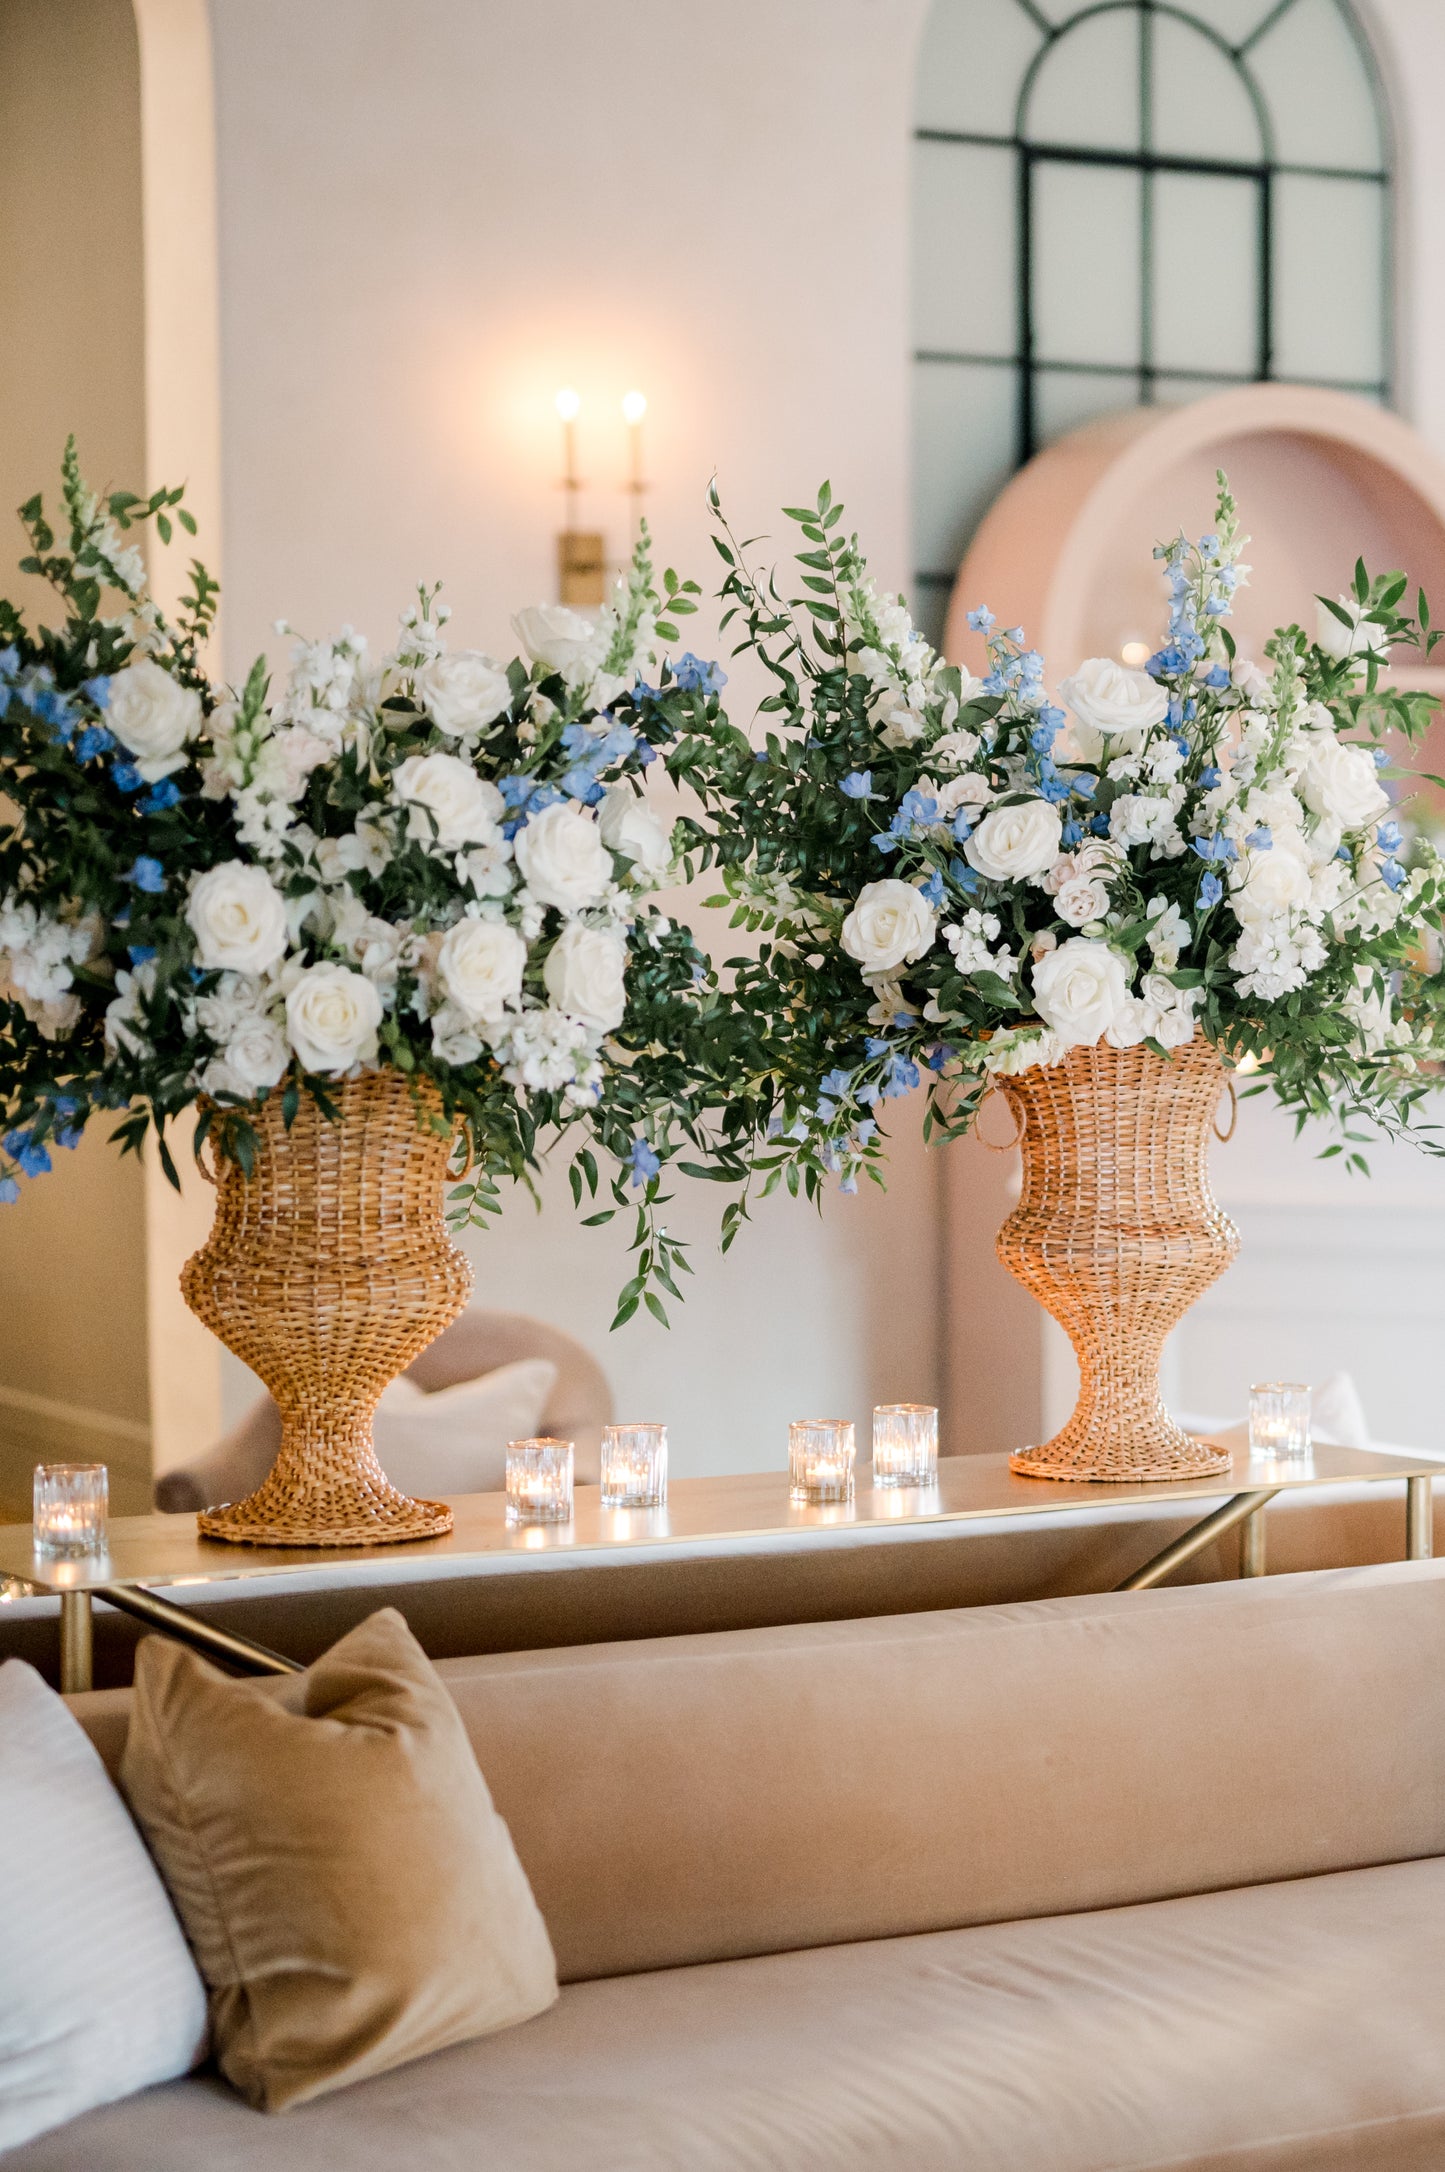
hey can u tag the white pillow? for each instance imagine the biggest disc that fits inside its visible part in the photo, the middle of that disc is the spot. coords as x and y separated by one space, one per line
455 1439
99 1995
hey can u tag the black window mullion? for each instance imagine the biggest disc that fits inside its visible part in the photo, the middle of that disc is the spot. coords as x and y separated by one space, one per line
1027 403
1146 205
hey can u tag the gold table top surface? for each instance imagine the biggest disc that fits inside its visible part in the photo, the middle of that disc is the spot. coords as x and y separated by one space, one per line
163 1550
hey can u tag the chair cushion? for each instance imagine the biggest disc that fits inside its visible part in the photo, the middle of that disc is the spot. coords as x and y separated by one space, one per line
454 1440
1263 2029
352 1897
98 1994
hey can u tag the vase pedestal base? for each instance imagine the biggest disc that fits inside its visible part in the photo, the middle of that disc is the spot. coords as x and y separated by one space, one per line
1175 1455
319 1507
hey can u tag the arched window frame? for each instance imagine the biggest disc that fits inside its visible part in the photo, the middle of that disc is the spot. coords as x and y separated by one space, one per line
1149 161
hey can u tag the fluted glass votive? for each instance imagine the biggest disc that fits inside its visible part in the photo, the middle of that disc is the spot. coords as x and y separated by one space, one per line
634 1466
72 1501
539 1481
820 1459
905 1444
1279 1419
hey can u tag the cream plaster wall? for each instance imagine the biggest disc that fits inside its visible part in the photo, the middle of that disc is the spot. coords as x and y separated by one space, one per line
431 216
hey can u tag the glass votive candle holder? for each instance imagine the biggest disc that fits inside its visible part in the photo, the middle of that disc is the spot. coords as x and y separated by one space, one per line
72 1501
905 1444
820 1459
539 1481
634 1466
1279 1419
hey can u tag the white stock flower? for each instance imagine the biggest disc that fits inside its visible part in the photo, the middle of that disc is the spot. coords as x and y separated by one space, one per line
562 640
238 918
1021 1049
454 1038
1014 843
1269 885
1146 818
480 966
463 693
1079 990
443 788
1168 934
562 857
153 716
1160 1012
635 831
1115 709
890 925
586 975
332 1015
546 1051
1342 782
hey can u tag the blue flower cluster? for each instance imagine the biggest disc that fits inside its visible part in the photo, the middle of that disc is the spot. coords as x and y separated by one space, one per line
694 676
593 748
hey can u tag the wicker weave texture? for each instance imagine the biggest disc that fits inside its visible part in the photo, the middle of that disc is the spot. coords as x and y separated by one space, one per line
328 1271
1116 1234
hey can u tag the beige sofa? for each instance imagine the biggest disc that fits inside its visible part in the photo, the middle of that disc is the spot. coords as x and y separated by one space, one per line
1088 1884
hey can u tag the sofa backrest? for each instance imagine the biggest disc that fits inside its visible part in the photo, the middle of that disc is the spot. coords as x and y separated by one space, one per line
701 1798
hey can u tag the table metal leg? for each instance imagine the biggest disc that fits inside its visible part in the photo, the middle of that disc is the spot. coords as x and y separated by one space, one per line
1419 1518
1199 1536
201 1636
76 1669
1251 1545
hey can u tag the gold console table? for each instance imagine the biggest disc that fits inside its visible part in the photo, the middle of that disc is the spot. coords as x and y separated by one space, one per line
149 1554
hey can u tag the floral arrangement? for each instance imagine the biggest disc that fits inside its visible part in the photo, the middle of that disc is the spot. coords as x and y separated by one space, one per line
957 877
430 860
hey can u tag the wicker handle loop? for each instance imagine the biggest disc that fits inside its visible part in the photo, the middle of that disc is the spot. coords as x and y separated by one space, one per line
207 1172
1001 1146
457 1176
1224 1137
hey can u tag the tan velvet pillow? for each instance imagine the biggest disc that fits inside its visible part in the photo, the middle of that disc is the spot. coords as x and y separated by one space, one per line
352 1897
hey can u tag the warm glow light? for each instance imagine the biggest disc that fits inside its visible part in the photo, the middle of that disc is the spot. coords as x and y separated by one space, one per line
568 404
1135 654
1246 1064
634 407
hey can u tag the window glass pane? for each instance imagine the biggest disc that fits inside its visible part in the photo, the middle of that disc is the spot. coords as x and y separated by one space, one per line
1086 230
1206 272
964 218
963 435
1233 19
970 64
1201 103
928 605
1065 398
1317 88
1179 391
1329 277
1087 87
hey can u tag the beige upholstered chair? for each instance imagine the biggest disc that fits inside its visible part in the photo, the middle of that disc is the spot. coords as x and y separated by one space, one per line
579 1406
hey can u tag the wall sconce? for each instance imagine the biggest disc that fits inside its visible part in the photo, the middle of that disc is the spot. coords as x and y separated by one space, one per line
634 407
581 556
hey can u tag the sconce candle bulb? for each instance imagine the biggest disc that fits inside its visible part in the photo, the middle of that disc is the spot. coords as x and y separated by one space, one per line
634 407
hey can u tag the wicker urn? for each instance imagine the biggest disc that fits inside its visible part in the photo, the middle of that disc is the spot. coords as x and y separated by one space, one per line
1116 1233
328 1270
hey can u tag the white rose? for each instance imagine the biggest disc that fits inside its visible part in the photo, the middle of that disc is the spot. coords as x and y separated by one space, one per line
561 640
635 831
1343 782
1356 639
238 918
480 965
1015 842
1080 989
955 750
463 693
465 807
1081 899
1113 705
586 973
153 716
562 857
891 924
257 1056
1266 885
331 1019
968 792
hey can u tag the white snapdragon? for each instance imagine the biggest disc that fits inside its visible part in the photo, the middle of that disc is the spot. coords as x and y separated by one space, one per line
1168 934
972 941
125 1031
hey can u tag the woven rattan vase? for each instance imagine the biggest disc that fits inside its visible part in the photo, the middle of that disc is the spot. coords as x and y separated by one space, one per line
328 1270
1116 1234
